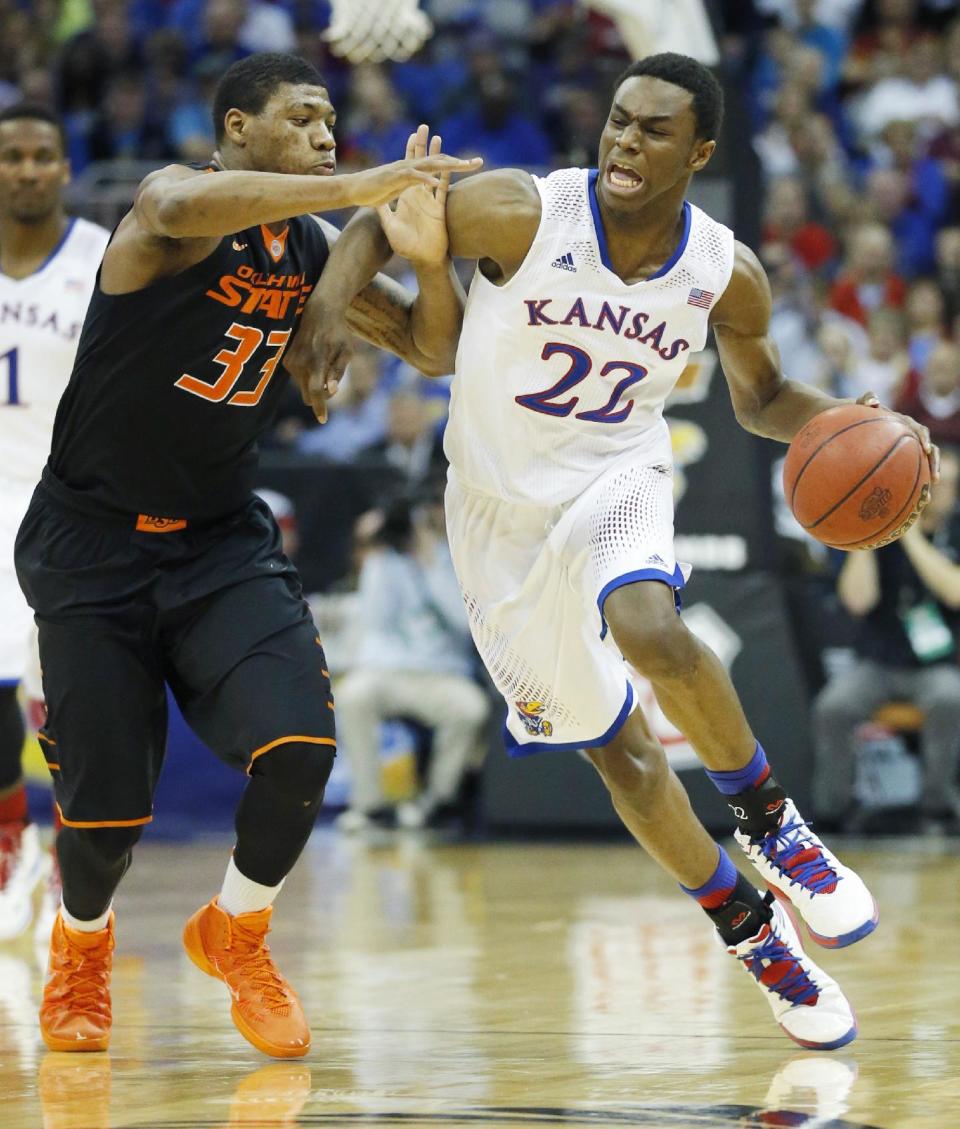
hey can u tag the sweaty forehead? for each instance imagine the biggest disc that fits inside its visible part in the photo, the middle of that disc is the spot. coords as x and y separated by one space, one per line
301 96
645 96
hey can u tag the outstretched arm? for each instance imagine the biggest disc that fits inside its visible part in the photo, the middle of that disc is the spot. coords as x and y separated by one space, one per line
765 401
180 214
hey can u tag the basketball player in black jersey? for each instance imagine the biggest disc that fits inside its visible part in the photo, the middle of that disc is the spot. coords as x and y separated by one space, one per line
148 561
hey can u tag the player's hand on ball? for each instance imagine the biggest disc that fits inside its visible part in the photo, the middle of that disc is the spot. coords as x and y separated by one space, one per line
316 359
932 451
416 226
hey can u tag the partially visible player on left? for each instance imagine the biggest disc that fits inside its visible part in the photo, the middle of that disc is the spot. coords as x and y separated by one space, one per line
48 264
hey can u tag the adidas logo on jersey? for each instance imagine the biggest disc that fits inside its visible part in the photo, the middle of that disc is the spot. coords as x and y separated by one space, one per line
565 262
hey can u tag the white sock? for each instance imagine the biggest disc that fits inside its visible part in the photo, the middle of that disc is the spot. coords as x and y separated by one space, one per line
242 895
75 923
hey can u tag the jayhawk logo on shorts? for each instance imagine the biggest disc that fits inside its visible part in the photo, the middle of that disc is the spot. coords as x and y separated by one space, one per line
534 724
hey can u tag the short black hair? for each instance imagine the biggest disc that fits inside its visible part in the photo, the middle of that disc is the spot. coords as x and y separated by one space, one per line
682 70
250 83
34 112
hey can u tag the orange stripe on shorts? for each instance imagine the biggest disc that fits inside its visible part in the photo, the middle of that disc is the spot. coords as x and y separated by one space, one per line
286 741
86 824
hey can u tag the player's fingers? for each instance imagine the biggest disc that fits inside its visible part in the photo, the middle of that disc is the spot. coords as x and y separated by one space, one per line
441 194
423 132
934 456
411 147
443 162
869 400
436 145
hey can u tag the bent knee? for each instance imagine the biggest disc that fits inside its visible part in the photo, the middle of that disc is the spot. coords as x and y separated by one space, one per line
298 769
108 845
649 632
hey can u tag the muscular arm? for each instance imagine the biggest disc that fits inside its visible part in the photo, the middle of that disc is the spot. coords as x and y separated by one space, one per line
493 217
179 214
765 401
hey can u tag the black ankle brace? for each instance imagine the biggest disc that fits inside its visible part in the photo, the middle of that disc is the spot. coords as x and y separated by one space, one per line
743 916
758 811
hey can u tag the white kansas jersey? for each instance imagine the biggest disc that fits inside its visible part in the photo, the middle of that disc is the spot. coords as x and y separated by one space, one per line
564 370
40 321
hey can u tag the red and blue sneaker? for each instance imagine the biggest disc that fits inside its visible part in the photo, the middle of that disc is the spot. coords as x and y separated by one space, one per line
806 1002
834 902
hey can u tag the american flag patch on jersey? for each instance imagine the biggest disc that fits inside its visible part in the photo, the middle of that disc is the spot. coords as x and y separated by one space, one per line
701 298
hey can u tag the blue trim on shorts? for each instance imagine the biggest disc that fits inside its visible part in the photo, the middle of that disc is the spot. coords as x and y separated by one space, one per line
517 748
9 683
675 580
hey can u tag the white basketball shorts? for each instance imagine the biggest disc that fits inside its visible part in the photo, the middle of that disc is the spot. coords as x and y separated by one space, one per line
17 632
535 579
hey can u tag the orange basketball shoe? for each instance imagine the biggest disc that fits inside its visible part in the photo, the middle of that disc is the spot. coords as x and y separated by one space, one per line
265 1008
75 1014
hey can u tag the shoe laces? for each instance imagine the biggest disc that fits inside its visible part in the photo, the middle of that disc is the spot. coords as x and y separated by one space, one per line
783 974
792 850
252 959
10 837
85 975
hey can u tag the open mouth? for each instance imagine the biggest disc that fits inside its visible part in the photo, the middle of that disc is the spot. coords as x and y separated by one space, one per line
324 168
622 179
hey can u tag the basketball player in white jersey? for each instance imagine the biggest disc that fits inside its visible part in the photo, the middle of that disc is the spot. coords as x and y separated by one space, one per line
593 288
48 262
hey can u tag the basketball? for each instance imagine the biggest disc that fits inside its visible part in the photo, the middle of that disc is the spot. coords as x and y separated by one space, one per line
854 475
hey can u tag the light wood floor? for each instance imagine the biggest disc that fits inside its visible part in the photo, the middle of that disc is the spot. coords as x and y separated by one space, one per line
499 985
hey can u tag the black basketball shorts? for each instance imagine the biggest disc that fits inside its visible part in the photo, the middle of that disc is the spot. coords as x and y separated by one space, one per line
216 612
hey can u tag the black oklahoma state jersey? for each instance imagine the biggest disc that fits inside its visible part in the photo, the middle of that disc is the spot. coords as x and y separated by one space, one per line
173 384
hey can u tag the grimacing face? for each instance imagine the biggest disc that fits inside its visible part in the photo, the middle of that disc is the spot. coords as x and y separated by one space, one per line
292 134
33 169
648 144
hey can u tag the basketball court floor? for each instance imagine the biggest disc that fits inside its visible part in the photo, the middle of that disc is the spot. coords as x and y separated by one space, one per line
503 984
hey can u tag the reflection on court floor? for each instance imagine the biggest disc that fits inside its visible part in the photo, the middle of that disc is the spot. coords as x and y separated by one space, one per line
497 985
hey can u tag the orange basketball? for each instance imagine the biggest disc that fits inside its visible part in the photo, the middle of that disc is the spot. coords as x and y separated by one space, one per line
854 475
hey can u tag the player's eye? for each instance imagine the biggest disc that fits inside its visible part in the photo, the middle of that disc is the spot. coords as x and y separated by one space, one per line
300 121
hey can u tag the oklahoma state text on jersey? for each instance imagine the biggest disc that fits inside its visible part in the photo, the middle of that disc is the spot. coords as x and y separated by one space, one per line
173 384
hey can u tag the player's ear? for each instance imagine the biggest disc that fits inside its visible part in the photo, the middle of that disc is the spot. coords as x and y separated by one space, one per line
702 152
235 126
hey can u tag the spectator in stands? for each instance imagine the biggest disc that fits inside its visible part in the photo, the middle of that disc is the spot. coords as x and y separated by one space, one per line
497 129
948 267
357 414
414 660
787 219
841 343
794 313
926 316
883 369
285 515
378 124
883 38
412 445
933 398
920 93
867 281
905 599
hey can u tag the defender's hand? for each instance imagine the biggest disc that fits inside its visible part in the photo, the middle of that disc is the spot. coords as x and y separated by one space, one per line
416 227
385 183
316 358
931 450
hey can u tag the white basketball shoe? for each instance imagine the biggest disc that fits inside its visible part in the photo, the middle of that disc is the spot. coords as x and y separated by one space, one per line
23 863
834 902
805 1001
